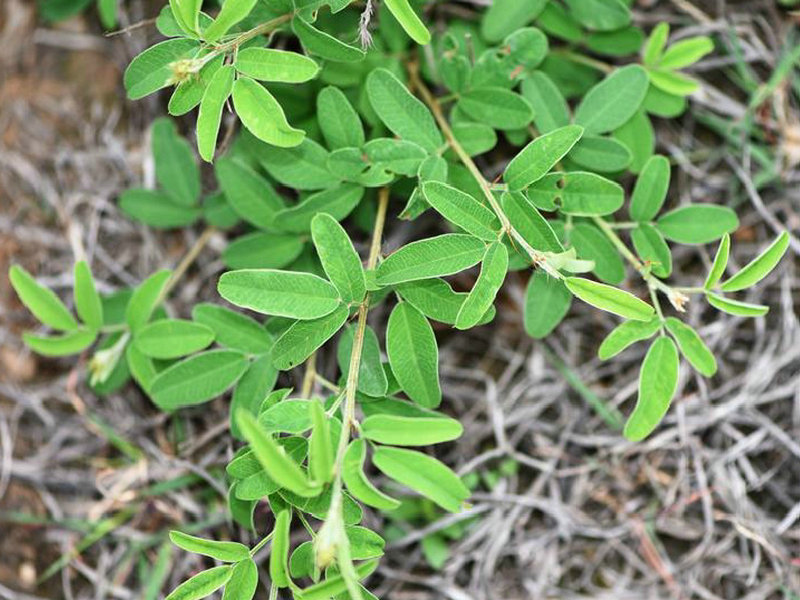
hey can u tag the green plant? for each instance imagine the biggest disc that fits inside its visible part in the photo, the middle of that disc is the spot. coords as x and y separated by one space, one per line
300 267
58 10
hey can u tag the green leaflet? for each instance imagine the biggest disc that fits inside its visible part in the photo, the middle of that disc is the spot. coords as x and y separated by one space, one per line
692 347
578 194
462 210
550 110
404 115
759 267
203 584
262 115
408 431
531 225
601 15
697 223
435 299
210 114
172 338
224 551
652 249
71 342
233 330
364 543
338 202
243 582
658 380
638 135
262 251
141 367
411 23
413 355
611 299
475 138
497 107
335 584
197 379
433 257
268 64
339 259
338 120
626 334
493 272
371 374
507 16
735 307
613 101
654 47
287 473
151 70
302 338
423 474
176 169
187 14
323 45
281 293
87 301
719 264
145 299
602 154
358 484
650 190
250 195
539 156
41 301
156 209
398 156
592 244
547 301
672 83
686 52
287 416
279 557
320 449
303 167
232 12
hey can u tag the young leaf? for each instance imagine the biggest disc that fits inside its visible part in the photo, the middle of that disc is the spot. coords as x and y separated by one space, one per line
719 264
759 267
262 115
409 20
339 259
371 374
611 299
612 101
251 196
692 347
423 474
735 307
203 584
273 459
145 299
268 64
404 115
650 190
358 484
87 301
529 223
625 334
244 578
223 551
152 69
413 355
672 82
686 52
433 257
506 16
497 107
654 47
320 452
232 12
172 338
197 379
338 120
279 557
324 45
233 330
176 169
547 301
658 380
41 301
462 210
493 272
541 155
302 338
407 431
652 249
281 293
210 114
71 342
697 223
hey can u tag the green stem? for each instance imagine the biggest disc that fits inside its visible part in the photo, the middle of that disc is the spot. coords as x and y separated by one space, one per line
584 60
261 544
